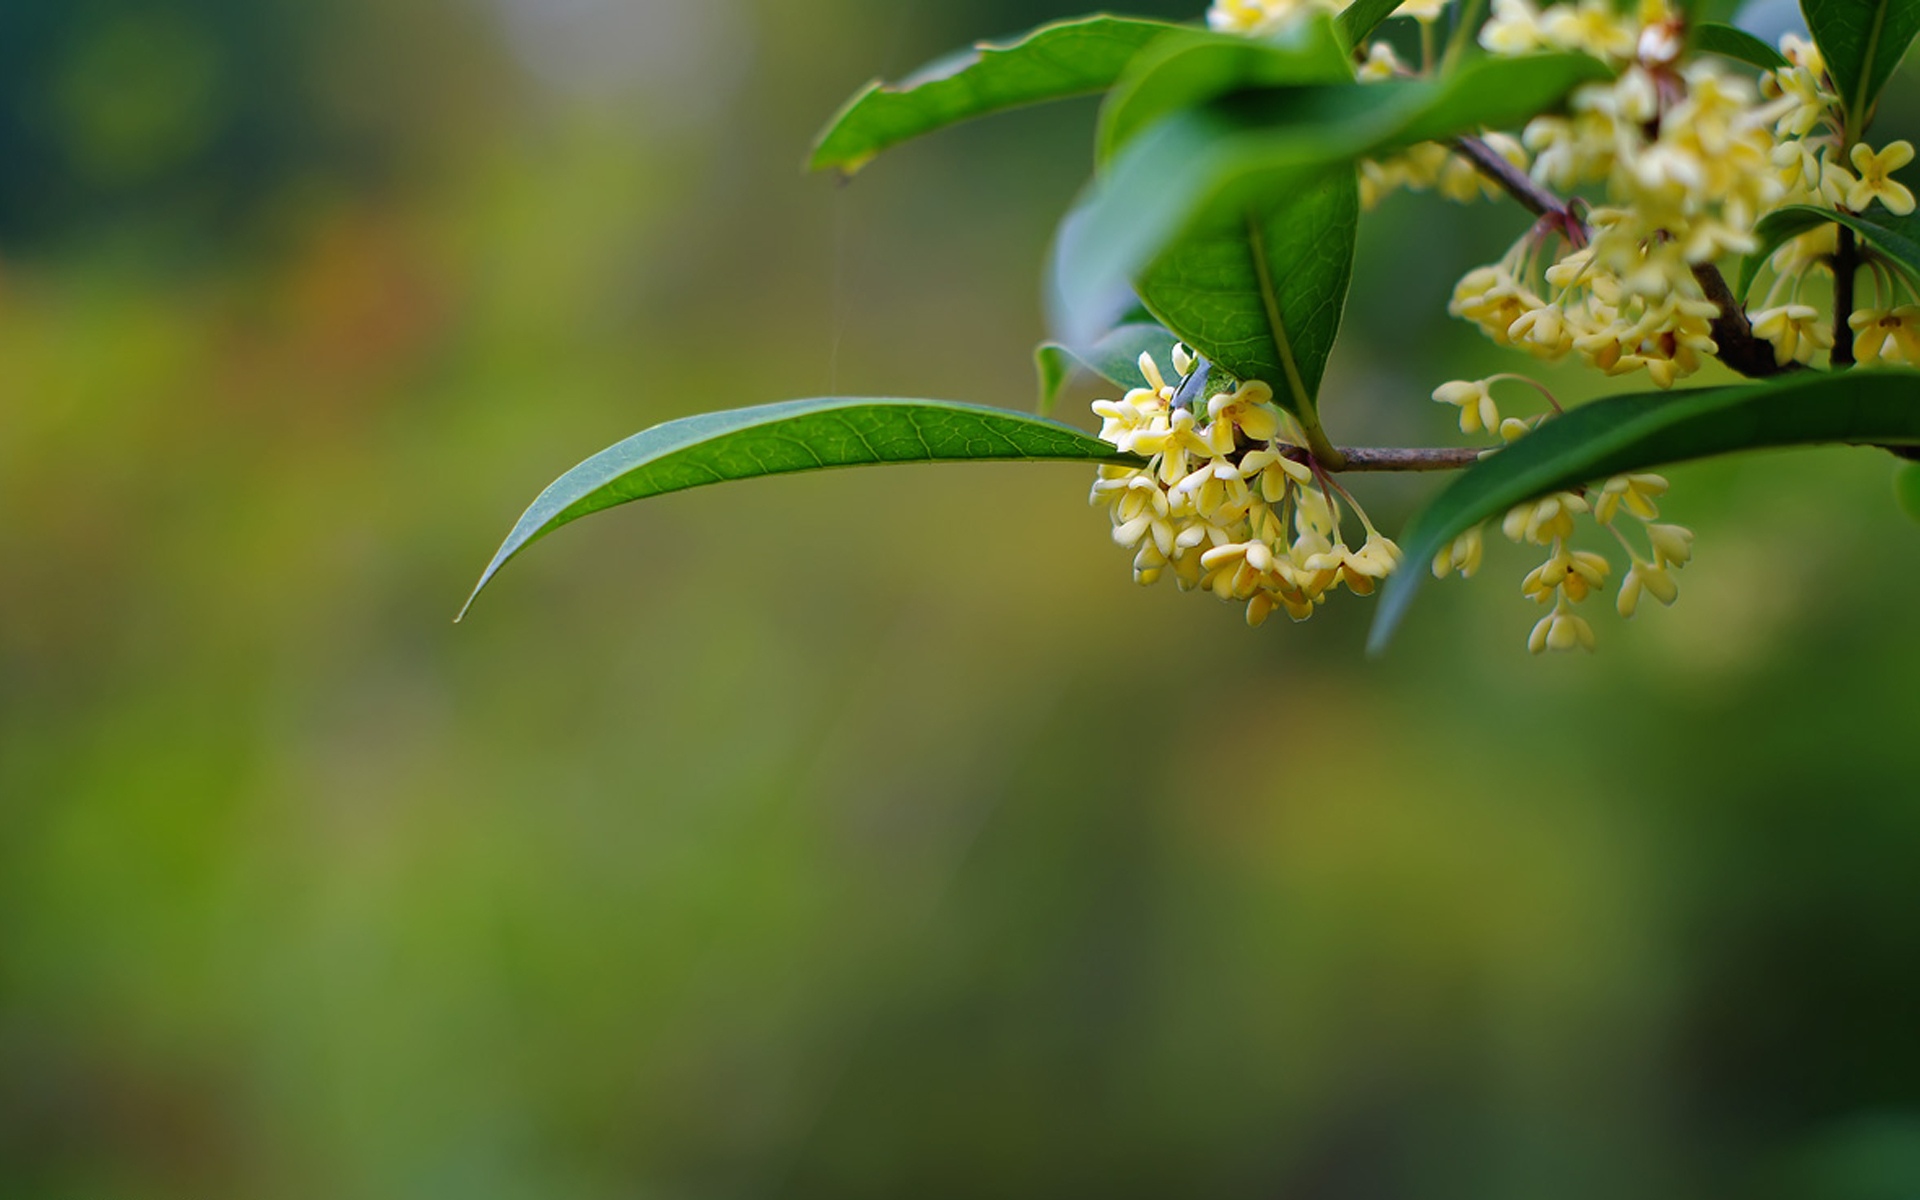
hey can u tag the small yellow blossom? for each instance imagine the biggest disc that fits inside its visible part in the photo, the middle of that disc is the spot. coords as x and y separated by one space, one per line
1514 29
1512 429
1463 554
1545 520
1214 502
1561 629
1575 574
1796 331
1381 63
1648 577
1247 410
1886 335
1876 182
1474 398
1636 493
1259 17
1672 544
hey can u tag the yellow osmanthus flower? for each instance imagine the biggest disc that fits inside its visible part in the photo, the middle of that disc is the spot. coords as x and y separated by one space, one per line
1228 500
1648 577
1462 555
1548 519
1381 63
1570 576
1575 573
1561 629
1886 335
1262 16
1474 398
1636 493
1672 544
1796 331
1876 182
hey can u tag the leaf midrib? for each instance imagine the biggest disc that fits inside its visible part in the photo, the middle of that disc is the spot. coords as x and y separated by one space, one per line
1859 113
1276 322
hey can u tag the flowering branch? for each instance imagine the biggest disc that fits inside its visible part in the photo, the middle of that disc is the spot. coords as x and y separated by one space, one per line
1732 333
1515 182
1395 458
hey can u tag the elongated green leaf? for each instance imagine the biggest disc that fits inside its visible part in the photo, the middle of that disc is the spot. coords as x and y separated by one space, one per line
798 435
1906 489
1068 58
1862 40
1737 44
1362 17
1114 358
1491 93
1897 238
1187 69
1718 11
1201 171
1646 430
1261 292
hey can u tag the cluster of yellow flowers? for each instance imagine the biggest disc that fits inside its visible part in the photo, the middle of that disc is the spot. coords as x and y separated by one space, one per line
1227 500
1690 157
1810 126
1668 167
1257 17
1568 576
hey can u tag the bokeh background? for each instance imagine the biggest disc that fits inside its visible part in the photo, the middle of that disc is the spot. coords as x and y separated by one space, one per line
856 835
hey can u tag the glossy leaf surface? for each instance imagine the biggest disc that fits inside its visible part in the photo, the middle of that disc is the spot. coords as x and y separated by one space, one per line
1897 238
1261 291
1862 40
1646 430
1172 198
1736 44
1190 68
1068 58
798 435
1361 17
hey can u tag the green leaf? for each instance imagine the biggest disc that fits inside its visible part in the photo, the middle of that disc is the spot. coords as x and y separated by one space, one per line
1645 430
798 435
1862 40
1701 12
1896 238
1362 17
1068 58
1190 68
1196 176
1737 44
1261 292
1906 489
1114 358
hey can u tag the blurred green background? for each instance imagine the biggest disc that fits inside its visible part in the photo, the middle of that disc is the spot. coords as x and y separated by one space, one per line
856 835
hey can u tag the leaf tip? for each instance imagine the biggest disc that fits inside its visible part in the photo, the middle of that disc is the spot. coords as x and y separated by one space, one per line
1394 601
486 576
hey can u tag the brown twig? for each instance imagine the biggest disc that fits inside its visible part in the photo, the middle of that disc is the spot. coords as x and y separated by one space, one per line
1733 333
1396 458
1512 180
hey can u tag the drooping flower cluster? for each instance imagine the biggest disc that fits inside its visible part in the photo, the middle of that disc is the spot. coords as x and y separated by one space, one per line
1689 157
1569 575
1227 500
